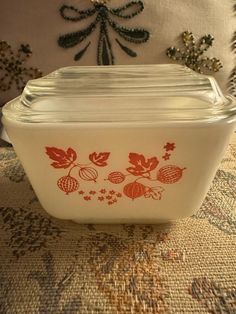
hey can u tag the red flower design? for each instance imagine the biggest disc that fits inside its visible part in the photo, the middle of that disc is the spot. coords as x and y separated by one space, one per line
103 191
101 198
112 192
166 156
81 192
119 195
92 192
87 198
108 197
169 146
110 203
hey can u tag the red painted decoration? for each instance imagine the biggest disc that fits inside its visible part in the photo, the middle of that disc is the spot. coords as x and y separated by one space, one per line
62 159
134 190
68 184
88 174
87 198
99 159
166 156
92 192
154 192
141 165
170 174
169 146
116 177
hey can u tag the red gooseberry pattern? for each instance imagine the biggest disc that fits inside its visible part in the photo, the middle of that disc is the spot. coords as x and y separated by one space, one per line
67 159
141 171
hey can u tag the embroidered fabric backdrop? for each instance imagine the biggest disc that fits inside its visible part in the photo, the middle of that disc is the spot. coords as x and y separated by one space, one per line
83 32
53 266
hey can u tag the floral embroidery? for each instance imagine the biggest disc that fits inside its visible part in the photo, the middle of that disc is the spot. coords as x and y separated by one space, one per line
7 293
12 69
14 172
29 231
7 155
192 54
105 55
11 167
125 271
232 78
232 83
214 297
47 281
223 189
173 255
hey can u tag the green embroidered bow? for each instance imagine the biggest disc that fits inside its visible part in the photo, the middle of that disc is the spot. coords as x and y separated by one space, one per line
105 55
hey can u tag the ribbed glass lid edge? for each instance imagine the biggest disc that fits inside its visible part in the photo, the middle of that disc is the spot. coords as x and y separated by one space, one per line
122 81
137 93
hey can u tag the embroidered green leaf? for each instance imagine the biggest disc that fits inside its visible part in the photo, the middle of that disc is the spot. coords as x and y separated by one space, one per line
128 11
70 13
127 50
72 39
80 54
105 55
135 35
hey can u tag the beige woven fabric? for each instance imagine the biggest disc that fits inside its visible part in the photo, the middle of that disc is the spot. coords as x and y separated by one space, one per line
53 266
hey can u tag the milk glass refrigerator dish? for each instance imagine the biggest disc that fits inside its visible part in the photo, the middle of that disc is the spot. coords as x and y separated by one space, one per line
116 144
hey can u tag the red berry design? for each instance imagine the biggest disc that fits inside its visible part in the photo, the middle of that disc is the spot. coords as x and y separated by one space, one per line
116 177
88 174
87 198
134 190
170 174
68 184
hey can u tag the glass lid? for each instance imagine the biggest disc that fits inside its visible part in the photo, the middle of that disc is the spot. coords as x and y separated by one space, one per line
134 93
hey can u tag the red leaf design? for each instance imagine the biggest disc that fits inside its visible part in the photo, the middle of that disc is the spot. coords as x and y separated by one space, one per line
62 159
99 159
141 165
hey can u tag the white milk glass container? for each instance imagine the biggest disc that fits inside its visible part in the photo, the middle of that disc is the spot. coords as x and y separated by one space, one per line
121 144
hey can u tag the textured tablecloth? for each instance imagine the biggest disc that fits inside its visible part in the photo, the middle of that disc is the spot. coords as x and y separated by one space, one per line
53 266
